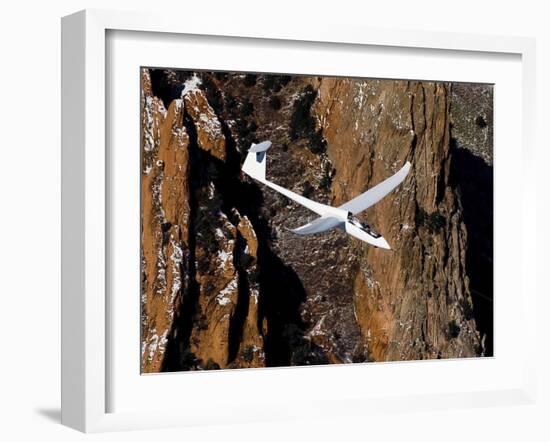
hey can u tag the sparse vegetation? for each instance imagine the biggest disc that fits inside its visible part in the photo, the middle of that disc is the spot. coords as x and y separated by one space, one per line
275 103
317 143
453 143
254 276
206 218
221 76
302 351
467 309
245 131
275 83
203 264
231 102
302 123
188 360
211 365
202 321
480 122
431 221
252 127
165 229
248 353
308 189
213 94
250 80
247 108
453 329
206 236
246 260
206 239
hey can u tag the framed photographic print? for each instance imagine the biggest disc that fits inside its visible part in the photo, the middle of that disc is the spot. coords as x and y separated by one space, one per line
226 283
254 208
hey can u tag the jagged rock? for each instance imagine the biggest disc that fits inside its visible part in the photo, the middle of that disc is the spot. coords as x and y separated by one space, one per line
200 287
209 131
165 221
251 349
218 283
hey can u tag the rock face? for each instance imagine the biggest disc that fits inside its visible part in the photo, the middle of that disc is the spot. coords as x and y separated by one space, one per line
198 262
411 303
165 250
225 285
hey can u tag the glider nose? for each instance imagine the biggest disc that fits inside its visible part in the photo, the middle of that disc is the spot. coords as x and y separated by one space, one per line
383 243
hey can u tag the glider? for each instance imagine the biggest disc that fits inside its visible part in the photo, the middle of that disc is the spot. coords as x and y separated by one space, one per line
341 217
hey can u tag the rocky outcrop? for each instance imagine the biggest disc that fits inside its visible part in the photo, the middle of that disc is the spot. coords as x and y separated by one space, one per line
414 302
198 263
165 222
225 285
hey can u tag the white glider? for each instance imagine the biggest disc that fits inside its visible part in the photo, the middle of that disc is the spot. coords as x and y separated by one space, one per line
330 217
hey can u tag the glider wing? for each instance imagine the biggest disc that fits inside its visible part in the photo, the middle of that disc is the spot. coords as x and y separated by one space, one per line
318 225
375 194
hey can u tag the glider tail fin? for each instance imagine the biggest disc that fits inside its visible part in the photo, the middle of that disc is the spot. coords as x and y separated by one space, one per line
254 164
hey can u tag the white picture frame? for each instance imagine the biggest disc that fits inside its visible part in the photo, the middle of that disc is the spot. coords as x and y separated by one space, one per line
86 312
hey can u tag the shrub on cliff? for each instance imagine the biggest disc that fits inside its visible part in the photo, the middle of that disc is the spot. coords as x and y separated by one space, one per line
317 143
247 108
211 365
248 353
302 123
326 179
188 360
275 103
431 221
246 260
250 80
453 329
275 83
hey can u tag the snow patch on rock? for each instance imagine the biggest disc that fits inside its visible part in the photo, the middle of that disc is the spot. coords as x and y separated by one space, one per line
223 296
191 85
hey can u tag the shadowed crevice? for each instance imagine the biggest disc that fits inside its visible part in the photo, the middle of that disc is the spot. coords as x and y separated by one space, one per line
472 177
178 356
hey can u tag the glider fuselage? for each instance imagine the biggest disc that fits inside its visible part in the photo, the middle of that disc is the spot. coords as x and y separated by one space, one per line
364 232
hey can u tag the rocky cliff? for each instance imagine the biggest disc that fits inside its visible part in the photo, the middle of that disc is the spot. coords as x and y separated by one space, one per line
225 285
